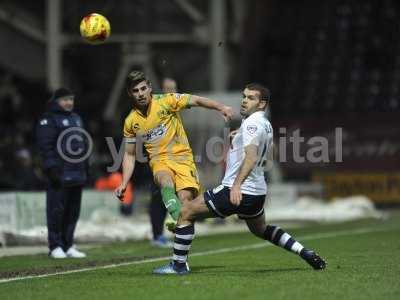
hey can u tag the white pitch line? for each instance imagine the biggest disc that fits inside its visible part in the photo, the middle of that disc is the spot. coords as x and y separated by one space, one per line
211 252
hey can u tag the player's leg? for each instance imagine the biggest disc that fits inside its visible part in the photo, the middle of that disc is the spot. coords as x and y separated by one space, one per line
186 184
194 210
157 211
186 179
184 235
164 179
280 238
184 195
157 214
213 203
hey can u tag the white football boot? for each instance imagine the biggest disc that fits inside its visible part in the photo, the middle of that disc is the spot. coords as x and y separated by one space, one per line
75 253
57 253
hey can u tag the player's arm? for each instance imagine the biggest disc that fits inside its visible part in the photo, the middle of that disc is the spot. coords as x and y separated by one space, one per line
128 166
249 162
226 111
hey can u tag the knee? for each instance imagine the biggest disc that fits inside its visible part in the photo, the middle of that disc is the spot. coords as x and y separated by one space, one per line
185 201
163 179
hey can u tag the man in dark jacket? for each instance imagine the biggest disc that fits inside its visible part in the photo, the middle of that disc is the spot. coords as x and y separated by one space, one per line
64 148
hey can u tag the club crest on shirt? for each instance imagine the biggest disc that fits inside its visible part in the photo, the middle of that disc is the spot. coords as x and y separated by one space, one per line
65 122
162 113
251 129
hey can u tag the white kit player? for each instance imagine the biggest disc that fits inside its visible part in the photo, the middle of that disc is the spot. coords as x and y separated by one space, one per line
243 189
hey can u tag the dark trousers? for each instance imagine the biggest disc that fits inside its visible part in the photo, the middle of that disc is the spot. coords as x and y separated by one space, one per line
63 209
157 211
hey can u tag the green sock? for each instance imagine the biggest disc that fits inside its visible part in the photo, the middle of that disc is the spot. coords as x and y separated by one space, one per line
171 201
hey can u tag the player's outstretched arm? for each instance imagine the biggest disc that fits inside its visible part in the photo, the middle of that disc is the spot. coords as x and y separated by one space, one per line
226 111
128 165
249 162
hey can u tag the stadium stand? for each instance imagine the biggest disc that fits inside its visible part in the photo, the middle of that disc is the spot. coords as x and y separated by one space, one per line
321 58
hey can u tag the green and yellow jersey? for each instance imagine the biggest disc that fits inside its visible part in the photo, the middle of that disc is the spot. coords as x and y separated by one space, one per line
161 130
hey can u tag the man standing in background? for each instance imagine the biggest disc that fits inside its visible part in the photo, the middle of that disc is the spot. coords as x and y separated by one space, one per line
169 85
62 146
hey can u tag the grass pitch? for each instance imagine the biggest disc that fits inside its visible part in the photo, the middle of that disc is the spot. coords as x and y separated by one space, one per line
363 263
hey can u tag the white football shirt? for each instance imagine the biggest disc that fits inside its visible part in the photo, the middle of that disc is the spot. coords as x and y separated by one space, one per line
256 130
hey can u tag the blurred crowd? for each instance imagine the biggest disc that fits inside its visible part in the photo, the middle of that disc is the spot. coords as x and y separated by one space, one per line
321 60
19 160
20 164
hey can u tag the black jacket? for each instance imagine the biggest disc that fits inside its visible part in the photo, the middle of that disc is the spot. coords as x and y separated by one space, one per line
62 150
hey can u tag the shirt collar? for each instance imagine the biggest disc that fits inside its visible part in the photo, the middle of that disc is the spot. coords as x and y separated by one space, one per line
256 114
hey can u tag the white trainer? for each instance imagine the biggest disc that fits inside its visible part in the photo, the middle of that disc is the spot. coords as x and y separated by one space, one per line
58 253
75 253
162 242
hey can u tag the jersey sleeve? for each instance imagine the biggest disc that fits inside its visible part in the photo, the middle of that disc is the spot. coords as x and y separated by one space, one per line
176 102
129 132
252 133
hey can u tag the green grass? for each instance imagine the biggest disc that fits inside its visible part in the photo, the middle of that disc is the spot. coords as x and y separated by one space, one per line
360 266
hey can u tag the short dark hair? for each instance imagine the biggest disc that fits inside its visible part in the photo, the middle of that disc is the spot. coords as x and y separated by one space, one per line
61 93
265 93
134 78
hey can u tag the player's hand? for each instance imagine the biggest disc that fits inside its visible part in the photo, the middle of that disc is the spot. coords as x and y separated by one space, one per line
235 195
227 112
120 191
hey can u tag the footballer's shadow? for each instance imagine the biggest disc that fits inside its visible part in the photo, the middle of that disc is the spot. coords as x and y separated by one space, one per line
194 270
199 269
241 272
263 271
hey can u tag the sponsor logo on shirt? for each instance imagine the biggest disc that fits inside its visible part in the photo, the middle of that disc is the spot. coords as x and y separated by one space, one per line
155 133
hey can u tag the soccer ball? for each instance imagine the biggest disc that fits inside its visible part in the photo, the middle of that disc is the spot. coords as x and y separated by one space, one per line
95 28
